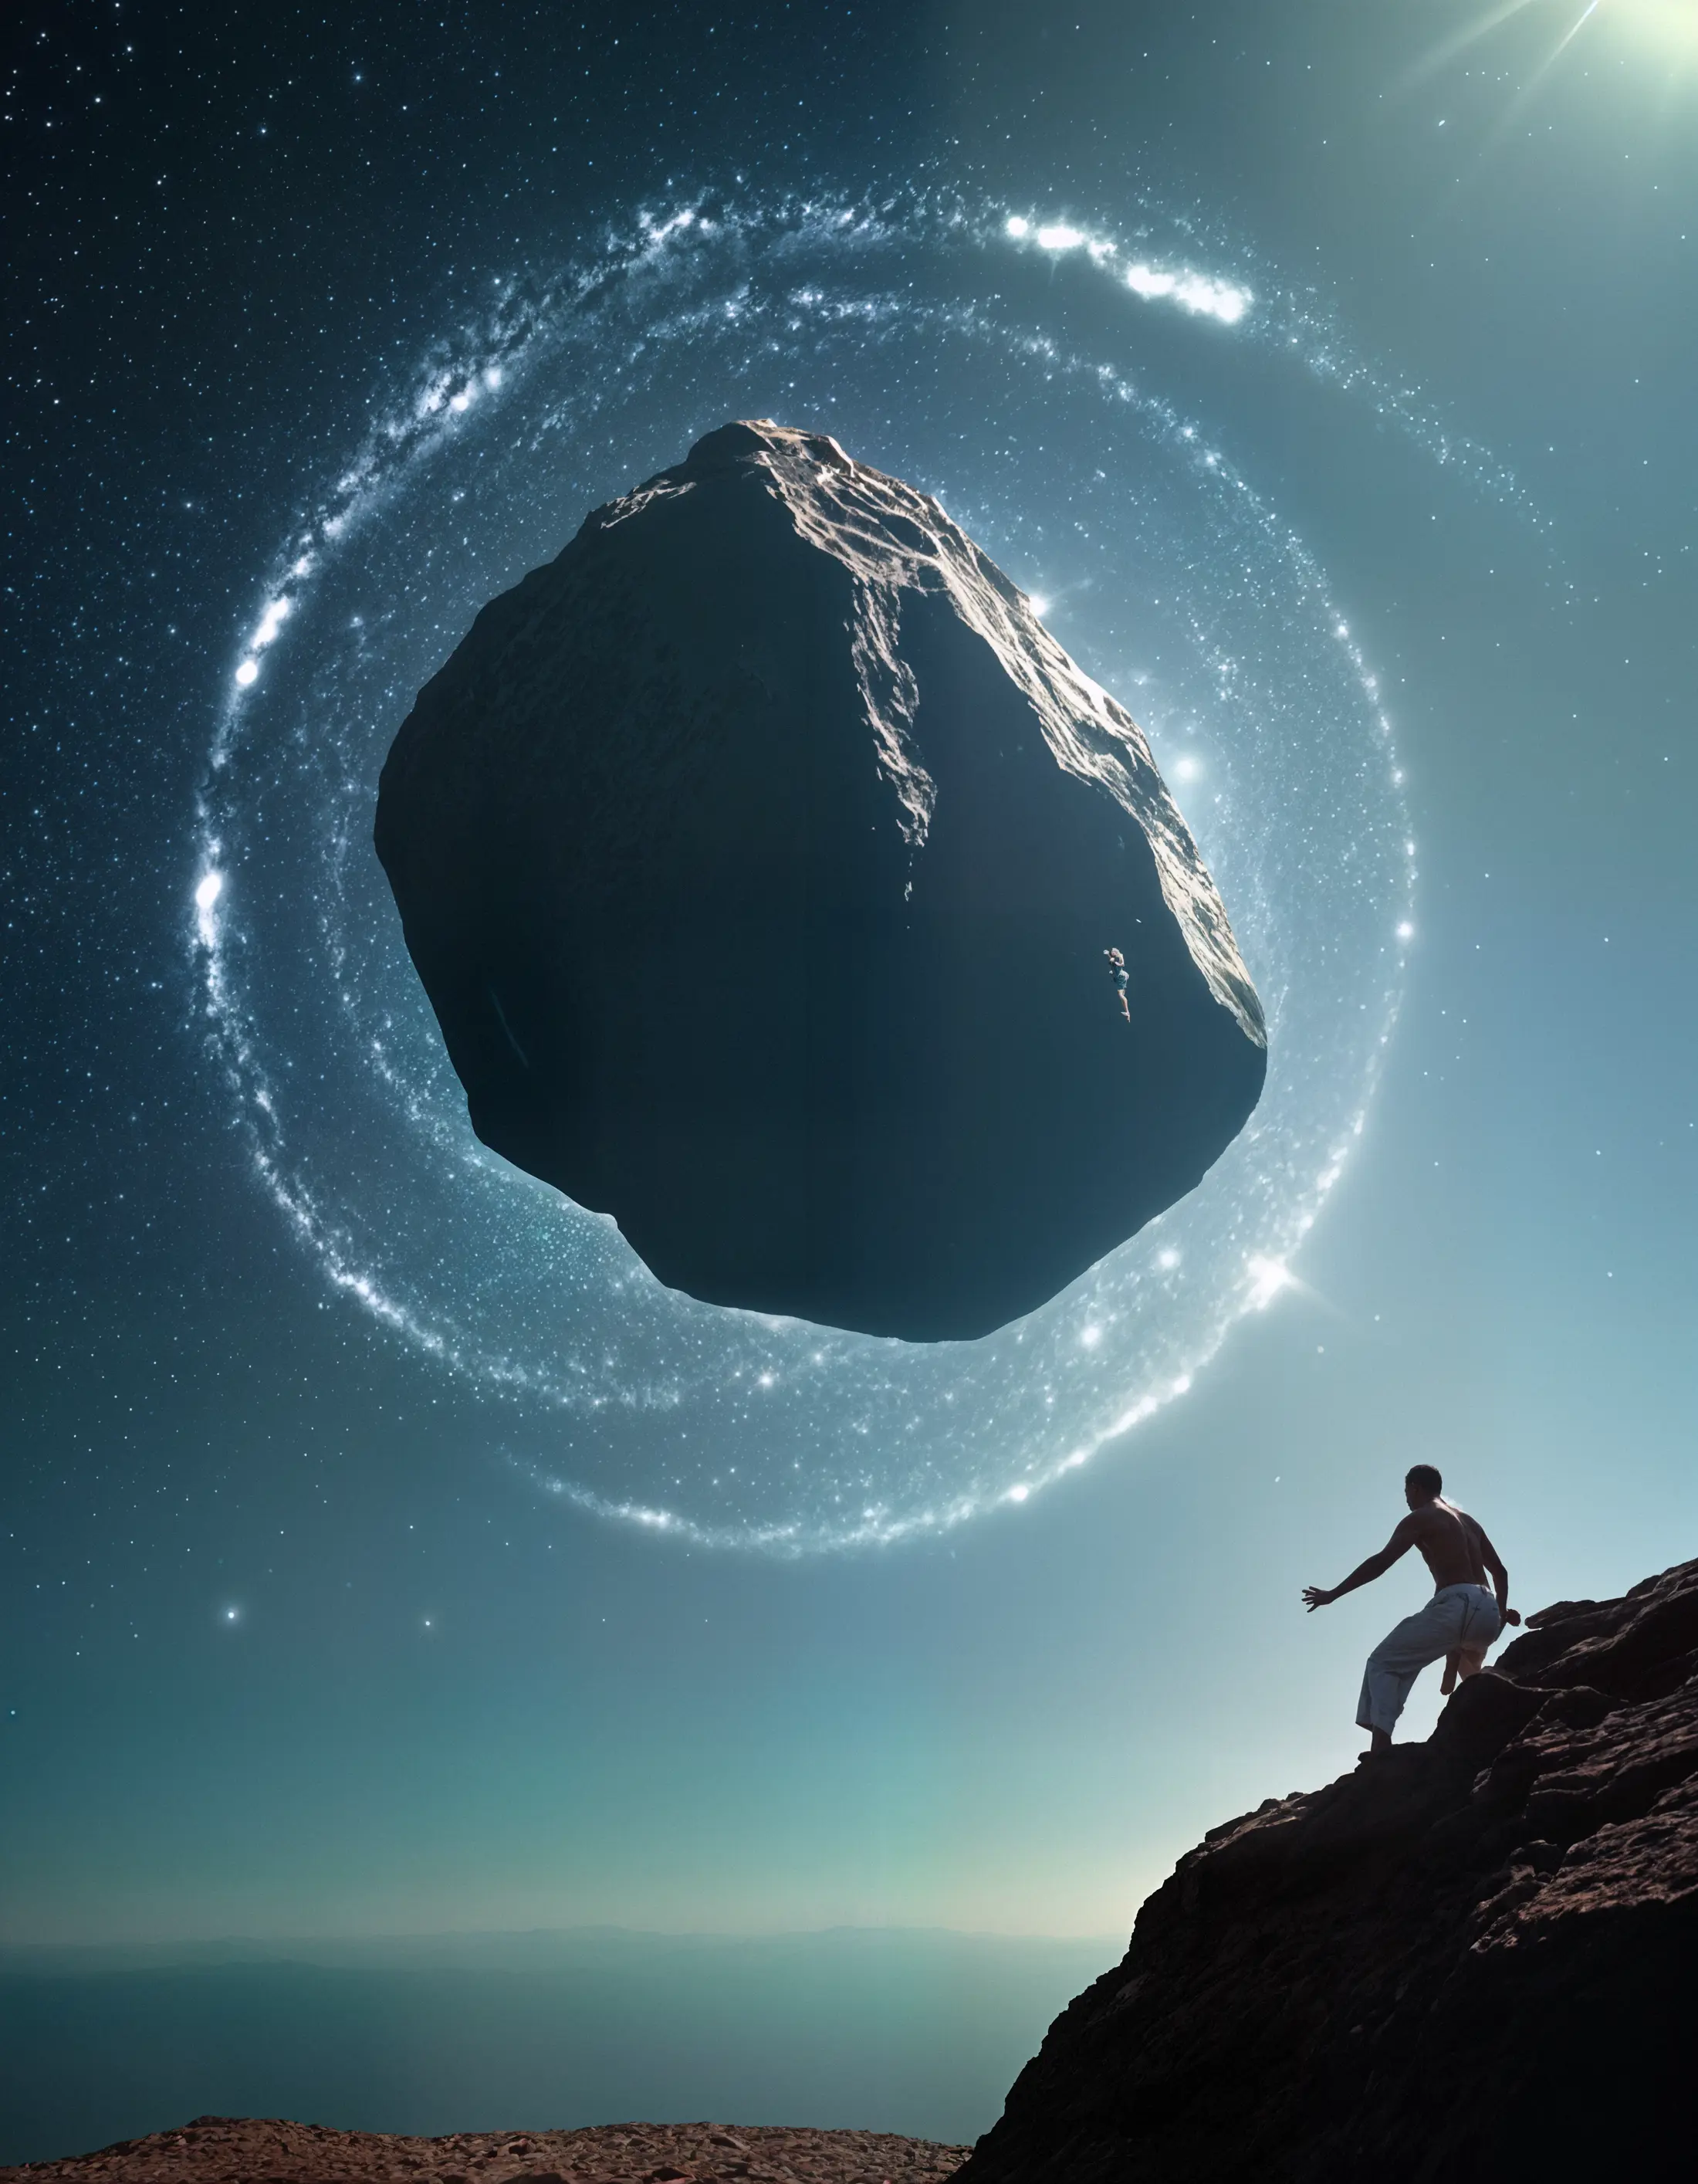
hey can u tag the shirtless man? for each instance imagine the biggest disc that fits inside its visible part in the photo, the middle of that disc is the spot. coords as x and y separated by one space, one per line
1456 1625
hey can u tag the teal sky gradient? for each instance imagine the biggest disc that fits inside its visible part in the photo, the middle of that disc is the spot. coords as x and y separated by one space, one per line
441 1707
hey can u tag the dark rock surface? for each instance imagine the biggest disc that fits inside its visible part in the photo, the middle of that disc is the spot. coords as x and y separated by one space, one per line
242 2150
759 854
1476 1959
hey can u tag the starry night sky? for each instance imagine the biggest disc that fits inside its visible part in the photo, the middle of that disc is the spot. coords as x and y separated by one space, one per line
290 1645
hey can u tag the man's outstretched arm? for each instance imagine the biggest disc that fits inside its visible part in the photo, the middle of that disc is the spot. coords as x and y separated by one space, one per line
1400 1543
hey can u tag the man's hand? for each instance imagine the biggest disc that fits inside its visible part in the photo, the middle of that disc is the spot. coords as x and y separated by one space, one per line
1400 1543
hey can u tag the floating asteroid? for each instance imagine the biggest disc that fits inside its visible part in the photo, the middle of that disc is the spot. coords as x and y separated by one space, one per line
761 855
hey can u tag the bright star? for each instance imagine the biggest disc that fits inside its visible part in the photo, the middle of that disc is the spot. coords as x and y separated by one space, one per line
1267 1277
1193 292
206 901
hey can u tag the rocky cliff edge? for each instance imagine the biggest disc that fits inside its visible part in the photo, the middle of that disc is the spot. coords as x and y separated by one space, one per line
1475 1958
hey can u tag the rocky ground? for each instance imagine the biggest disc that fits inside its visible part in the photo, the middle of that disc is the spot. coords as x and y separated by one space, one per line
231 2150
1476 1958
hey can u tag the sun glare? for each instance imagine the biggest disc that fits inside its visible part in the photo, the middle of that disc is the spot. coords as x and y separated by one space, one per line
1665 30
1676 20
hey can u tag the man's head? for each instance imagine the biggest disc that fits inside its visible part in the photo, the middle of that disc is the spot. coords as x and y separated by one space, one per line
1422 1484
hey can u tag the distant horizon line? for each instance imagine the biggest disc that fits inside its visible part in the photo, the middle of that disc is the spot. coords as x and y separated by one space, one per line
586 1930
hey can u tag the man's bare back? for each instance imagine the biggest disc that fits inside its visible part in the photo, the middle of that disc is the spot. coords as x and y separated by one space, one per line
1453 1546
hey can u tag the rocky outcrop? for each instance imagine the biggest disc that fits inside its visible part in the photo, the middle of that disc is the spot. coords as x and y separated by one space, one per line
239 2150
760 855
1474 1958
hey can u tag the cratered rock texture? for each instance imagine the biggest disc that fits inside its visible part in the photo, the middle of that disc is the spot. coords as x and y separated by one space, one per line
759 855
1475 1961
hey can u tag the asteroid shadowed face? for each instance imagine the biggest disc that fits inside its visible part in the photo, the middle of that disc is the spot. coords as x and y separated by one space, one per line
761 855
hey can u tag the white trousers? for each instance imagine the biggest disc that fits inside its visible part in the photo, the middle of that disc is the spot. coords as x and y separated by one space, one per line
1458 1616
